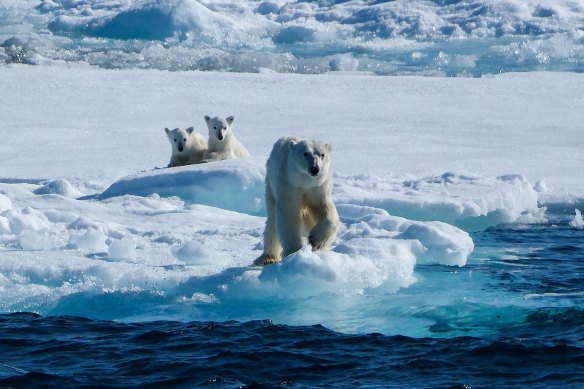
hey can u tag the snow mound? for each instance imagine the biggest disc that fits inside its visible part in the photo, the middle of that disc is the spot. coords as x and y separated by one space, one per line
59 187
236 185
195 253
35 241
472 203
5 203
26 219
122 249
389 265
432 242
469 202
90 240
374 252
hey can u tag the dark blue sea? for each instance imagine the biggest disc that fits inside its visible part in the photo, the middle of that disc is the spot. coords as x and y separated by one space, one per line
72 352
526 347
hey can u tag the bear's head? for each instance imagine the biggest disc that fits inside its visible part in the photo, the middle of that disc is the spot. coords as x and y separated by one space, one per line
179 138
311 157
219 128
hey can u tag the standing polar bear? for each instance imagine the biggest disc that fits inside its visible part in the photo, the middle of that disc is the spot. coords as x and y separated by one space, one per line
298 198
222 141
188 146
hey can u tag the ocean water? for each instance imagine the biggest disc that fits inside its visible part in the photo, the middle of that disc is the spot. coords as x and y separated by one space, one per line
109 287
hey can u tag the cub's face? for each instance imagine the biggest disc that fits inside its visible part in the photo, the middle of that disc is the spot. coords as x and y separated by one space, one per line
219 127
178 138
311 157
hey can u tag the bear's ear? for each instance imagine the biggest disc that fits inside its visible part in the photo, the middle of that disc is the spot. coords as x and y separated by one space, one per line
230 120
190 130
329 147
292 144
167 130
207 118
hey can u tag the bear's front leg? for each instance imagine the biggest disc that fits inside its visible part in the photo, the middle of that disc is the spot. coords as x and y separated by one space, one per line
289 224
210 156
322 235
272 246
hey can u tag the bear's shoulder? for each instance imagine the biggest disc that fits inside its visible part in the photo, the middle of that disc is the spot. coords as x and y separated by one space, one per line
282 145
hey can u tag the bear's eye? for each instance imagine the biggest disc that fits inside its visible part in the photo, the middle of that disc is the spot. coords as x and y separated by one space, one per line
185 139
306 154
175 140
322 155
214 127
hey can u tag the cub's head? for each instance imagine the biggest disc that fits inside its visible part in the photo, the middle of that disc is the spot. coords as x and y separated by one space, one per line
219 127
311 157
178 138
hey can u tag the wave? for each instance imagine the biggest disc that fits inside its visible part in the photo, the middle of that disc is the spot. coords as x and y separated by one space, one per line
261 353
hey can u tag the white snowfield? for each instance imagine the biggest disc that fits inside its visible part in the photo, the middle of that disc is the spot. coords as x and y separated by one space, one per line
86 211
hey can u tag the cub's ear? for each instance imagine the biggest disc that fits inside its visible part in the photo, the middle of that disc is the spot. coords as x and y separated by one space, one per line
167 130
207 118
190 130
230 120
292 144
329 147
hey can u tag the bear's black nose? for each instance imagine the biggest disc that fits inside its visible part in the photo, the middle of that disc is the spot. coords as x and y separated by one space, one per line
314 170
220 137
180 147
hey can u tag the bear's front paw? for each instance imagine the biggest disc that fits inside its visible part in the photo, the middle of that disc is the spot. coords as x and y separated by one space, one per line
316 244
320 238
265 259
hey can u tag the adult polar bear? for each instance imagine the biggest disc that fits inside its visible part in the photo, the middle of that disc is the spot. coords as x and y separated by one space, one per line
298 198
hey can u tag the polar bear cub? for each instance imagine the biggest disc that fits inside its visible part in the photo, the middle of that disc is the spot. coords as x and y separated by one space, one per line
188 146
222 141
298 198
